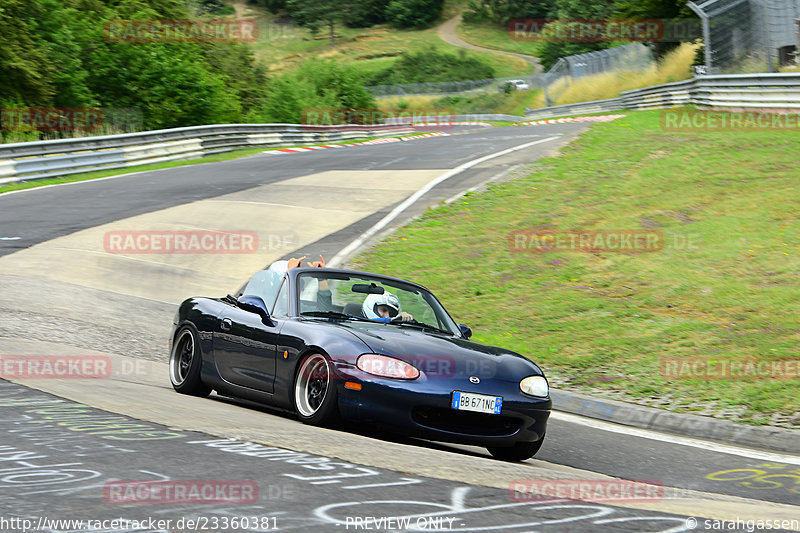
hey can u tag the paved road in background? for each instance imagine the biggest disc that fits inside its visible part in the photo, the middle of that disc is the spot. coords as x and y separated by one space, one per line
39 215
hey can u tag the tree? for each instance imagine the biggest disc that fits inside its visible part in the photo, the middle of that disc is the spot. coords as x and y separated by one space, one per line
243 76
169 82
655 9
274 6
551 50
316 84
502 11
53 53
413 13
27 75
313 14
366 13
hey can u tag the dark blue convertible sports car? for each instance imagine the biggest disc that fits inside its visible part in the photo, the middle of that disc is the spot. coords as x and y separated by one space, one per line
329 343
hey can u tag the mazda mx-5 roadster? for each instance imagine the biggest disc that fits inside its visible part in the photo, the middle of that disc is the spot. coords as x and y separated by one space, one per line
331 344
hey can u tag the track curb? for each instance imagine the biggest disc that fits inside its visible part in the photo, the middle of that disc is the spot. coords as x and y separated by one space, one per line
582 118
701 427
385 140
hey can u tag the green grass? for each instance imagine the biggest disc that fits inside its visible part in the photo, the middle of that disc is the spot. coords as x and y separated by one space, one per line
226 156
605 322
495 37
513 103
282 47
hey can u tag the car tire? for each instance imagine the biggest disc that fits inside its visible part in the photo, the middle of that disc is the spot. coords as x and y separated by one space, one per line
518 452
185 364
314 392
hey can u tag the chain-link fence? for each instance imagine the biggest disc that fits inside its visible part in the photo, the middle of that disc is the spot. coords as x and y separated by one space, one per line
634 56
628 57
743 36
456 87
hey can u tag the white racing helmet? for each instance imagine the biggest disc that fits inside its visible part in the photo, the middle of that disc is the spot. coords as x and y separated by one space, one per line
372 301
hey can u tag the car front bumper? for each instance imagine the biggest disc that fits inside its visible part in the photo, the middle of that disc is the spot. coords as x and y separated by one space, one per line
422 408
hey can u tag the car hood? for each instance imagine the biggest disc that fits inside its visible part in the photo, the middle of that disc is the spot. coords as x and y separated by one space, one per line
442 355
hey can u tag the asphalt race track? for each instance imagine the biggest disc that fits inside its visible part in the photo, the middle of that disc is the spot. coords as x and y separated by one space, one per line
69 445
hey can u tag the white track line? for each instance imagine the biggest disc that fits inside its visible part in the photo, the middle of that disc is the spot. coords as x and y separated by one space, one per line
361 239
676 439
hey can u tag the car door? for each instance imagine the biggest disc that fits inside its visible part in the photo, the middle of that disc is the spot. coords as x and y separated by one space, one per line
245 348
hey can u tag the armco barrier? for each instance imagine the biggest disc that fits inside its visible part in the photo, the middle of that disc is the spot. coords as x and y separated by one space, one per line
45 159
26 161
737 92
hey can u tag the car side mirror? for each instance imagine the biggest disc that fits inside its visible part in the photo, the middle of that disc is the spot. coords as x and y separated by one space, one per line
466 331
254 304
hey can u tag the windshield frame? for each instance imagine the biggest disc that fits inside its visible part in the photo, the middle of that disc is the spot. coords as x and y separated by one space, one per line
438 309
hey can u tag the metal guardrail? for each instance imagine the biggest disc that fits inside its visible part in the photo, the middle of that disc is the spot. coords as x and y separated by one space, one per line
733 92
34 160
62 157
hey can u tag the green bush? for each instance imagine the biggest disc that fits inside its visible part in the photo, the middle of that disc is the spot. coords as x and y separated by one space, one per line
477 103
224 11
433 66
316 84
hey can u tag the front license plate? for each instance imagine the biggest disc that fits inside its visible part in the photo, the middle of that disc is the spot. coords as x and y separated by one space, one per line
480 403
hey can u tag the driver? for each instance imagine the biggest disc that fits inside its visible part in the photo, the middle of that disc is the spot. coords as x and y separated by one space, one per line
384 308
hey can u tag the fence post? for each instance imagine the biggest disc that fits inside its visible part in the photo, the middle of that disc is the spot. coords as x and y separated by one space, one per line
706 33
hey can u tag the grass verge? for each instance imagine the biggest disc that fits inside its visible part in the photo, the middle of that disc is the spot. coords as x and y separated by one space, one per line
513 103
493 36
723 287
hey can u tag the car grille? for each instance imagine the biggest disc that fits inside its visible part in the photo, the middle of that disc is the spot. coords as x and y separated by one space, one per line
466 422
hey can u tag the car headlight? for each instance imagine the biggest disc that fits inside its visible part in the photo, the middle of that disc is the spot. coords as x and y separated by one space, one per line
386 367
535 386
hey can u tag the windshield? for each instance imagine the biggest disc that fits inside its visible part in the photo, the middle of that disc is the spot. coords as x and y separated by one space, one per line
363 297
